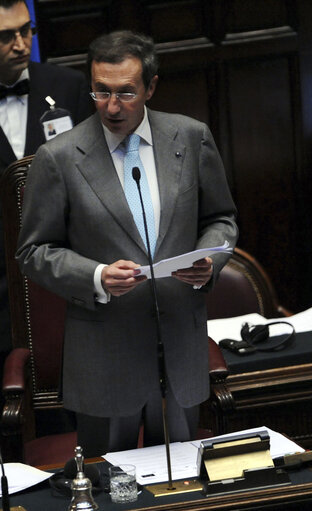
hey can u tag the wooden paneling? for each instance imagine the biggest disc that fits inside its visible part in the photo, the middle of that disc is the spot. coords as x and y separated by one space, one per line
176 21
66 28
244 67
174 92
264 162
250 15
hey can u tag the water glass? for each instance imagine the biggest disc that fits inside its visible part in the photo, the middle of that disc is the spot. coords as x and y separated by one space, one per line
123 485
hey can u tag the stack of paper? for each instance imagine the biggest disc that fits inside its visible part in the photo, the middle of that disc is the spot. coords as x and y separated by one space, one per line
22 476
165 267
151 462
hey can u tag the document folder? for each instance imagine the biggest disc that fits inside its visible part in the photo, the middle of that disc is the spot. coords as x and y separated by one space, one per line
238 463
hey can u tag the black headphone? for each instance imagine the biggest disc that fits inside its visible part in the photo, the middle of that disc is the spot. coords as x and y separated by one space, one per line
254 334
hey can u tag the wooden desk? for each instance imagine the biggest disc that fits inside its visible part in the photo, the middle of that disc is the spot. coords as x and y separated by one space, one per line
277 397
295 496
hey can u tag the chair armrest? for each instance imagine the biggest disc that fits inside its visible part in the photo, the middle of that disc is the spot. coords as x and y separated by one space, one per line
218 369
220 401
14 390
14 371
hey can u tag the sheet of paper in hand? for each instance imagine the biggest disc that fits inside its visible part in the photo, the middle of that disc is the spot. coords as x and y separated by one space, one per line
165 267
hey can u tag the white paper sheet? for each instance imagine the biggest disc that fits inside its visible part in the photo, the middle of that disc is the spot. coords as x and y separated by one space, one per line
22 476
151 462
230 327
165 267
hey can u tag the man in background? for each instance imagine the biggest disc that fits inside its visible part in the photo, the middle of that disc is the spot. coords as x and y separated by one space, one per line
82 238
24 85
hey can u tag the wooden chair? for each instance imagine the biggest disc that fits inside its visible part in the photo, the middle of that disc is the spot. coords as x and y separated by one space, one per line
243 287
33 419
276 392
33 369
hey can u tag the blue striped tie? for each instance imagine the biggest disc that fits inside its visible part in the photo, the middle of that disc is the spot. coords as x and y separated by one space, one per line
132 159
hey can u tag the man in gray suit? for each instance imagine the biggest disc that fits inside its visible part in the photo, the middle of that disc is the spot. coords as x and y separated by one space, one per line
80 240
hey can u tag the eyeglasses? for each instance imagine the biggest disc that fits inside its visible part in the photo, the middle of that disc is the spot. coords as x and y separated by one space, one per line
7 36
124 97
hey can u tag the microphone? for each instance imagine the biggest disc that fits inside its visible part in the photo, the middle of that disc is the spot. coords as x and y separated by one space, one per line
136 174
4 488
5 491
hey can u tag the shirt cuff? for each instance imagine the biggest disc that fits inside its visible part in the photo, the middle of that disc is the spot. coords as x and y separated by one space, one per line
100 294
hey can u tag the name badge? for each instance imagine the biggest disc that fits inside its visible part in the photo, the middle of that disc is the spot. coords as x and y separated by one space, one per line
55 120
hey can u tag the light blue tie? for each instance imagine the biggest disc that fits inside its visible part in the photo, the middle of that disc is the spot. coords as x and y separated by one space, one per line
132 159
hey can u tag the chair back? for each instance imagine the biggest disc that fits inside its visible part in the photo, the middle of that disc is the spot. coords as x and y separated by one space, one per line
243 287
37 315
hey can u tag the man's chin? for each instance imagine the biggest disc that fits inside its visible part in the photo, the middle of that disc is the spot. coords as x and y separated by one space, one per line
20 66
17 67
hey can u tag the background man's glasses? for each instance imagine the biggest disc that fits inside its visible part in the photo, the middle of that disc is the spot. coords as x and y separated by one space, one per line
121 96
7 36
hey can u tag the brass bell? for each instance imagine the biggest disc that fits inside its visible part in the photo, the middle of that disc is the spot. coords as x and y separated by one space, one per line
81 487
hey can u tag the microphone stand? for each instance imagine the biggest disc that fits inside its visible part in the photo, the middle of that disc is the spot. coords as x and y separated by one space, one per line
162 489
4 488
136 174
5 491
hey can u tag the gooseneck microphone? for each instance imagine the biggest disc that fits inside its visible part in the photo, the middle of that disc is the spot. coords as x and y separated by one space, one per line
4 488
136 174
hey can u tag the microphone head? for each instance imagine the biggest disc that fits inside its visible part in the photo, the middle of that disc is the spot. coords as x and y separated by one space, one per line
136 174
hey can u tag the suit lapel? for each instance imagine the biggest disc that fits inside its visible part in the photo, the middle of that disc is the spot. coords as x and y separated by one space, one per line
36 107
95 163
7 154
169 153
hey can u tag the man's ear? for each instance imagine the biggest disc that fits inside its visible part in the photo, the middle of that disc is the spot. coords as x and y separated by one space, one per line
152 87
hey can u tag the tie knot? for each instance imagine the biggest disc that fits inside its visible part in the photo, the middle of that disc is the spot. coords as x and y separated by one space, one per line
132 142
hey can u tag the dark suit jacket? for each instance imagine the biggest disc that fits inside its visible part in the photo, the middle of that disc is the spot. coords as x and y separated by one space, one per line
110 358
69 89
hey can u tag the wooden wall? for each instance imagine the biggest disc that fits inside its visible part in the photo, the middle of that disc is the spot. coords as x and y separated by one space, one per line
245 68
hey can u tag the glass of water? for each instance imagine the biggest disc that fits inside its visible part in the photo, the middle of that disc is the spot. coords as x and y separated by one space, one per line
123 485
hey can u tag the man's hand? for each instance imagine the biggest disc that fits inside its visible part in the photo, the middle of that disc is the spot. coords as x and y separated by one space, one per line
120 277
198 274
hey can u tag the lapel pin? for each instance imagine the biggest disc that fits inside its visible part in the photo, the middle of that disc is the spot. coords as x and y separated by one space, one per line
178 154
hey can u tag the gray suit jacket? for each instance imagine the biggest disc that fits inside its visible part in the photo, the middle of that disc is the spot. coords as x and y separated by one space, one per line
76 216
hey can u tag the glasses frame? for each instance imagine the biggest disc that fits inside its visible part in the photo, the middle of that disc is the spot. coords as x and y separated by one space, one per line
12 33
118 95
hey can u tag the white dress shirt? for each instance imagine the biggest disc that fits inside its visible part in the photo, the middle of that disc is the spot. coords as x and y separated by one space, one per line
146 152
13 119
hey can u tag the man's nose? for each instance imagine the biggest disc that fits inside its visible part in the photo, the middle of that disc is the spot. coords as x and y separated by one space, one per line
113 105
19 43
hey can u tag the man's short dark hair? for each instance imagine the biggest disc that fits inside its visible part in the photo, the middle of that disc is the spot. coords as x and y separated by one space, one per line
6 4
117 46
